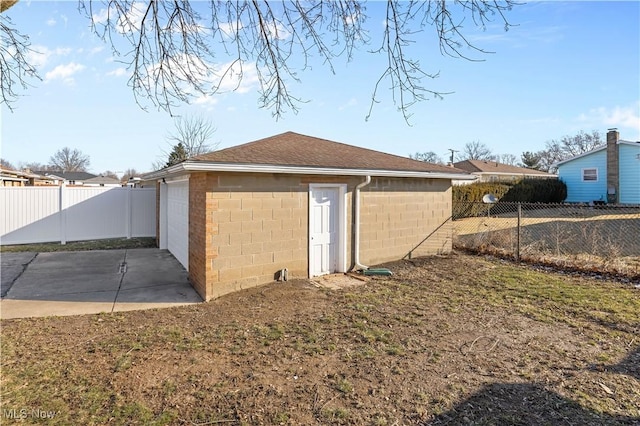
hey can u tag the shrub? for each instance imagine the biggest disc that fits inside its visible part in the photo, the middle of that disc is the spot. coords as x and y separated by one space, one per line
537 191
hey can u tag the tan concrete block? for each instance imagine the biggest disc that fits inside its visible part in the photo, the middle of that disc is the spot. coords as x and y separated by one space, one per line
281 235
222 288
262 214
290 203
220 240
229 204
263 194
291 223
237 195
271 225
282 256
233 250
219 263
302 213
239 239
229 228
250 282
219 217
221 194
252 248
282 213
260 236
239 261
271 203
250 226
230 274
251 204
241 215
262 259
251 271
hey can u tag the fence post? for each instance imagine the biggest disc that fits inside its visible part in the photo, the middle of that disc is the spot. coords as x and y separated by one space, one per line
129 213
63 214
518 232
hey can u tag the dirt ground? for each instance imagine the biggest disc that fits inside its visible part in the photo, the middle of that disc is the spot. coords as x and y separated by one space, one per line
447 340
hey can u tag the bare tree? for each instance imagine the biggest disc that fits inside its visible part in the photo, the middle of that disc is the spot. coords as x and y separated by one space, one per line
69 160
14 65
508 159
427 157
194 133
177 51
6 164
128 174
109 173
568 146
476 151
33 166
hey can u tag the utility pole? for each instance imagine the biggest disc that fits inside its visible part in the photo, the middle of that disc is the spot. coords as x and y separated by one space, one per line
453 151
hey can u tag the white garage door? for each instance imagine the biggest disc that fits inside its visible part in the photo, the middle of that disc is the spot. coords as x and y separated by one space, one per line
178 221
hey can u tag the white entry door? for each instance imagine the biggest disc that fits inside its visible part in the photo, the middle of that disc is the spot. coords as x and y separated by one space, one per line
324 232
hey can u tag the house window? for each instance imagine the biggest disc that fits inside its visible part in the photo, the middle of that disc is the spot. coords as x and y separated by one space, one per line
589 175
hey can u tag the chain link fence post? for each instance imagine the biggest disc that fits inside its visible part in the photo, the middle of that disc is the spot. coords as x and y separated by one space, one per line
518 232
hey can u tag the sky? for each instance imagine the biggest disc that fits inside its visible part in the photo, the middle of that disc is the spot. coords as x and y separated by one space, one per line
561 68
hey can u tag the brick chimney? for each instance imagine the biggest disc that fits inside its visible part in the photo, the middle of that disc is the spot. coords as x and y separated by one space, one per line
613 166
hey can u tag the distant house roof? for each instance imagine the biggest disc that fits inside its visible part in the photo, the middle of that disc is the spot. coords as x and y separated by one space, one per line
600 148
484 166
295 153
19 175
102 180
75 176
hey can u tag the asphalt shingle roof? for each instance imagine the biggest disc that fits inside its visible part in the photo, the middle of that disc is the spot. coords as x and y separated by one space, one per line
294 149
483 166
81 176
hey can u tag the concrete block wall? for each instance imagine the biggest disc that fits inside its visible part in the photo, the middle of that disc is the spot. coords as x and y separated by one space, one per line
399 213
245 227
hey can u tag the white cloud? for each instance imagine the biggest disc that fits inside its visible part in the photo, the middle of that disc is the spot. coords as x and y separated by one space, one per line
618 116
64 72
51 22
39 56
230 28
101 17
118 72
131 21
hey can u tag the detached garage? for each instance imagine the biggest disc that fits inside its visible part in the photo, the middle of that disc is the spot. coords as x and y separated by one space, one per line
236 217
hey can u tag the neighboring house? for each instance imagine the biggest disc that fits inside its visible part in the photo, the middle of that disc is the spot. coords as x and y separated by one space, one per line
10 177
67 178
237 217
102 181
491 171
610 173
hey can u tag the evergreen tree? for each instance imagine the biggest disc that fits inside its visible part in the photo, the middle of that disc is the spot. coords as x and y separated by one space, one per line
531 160
178 155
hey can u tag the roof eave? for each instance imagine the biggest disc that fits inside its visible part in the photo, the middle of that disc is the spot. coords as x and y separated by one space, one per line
197 166
549 175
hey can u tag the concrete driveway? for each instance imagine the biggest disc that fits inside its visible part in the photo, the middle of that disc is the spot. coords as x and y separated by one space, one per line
88 282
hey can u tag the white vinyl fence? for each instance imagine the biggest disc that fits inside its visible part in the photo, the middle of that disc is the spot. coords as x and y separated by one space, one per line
47 214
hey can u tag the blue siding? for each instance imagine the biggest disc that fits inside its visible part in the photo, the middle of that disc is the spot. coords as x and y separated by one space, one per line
571 174
629 174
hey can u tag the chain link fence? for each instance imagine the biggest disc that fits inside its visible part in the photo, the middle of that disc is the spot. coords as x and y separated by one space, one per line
602 238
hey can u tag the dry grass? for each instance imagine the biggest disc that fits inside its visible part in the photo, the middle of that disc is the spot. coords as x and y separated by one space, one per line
446 340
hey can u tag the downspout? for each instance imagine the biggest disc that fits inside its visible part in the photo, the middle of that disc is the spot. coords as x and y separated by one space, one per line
356 225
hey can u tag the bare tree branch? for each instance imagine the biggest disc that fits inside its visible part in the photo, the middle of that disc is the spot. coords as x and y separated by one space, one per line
185 51
69 160
14 65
